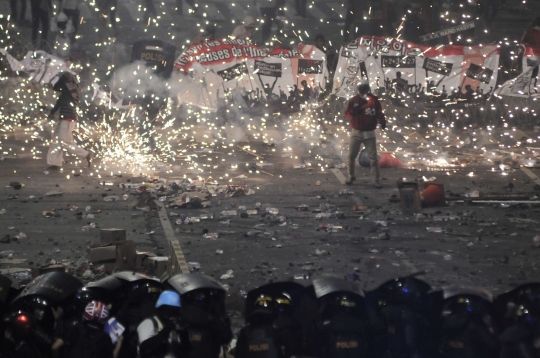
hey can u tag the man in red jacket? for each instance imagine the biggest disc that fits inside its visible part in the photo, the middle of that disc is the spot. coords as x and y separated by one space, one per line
364 111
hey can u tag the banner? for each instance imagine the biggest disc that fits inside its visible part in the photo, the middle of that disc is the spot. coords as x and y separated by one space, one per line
524 85
43 67
251 77
408 73
448 31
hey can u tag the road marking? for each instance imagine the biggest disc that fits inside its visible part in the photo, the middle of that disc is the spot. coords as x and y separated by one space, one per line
531 175
169 234
339 175
410 266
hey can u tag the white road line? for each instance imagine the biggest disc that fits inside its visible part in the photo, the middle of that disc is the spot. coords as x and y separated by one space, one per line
169 234
531 175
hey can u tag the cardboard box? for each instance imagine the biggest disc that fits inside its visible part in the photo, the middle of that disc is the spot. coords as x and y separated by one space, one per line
103 254
112 235
140 257
157 265
120 255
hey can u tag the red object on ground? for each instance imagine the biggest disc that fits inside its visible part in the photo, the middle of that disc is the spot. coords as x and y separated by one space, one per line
433 194
389 161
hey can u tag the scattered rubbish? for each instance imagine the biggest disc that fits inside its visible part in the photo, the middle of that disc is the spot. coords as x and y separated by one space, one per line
208 216
20 236
448 257
272 211
299 166
324 216
229 274
229 213
252 212
383 236
360 208
54 193
352 277
473 194
2 211
535 242
219 252
211 235
435 229
225 222
318 183
7 254
446 218
409 196
381 223
22 275
88 208
264 164
302 207
16 185
346 192
433 194
302 276
125 197
111 198
322 252
193 266
387 160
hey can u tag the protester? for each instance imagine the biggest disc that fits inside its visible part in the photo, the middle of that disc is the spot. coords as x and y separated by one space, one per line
107 17
67 104
164 334
179 6
207 34
17 17
531 35
71 9
149 11
399 84
352 19
413 26
87 339
62 43
364 111
269 11
41 13
330 52
244 31
300 6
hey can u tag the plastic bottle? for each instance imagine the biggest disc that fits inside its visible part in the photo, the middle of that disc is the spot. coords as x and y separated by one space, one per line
208 216
323 215
6 253
273 211
252 212
22 276
211 235
229 213
111 198
435 229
